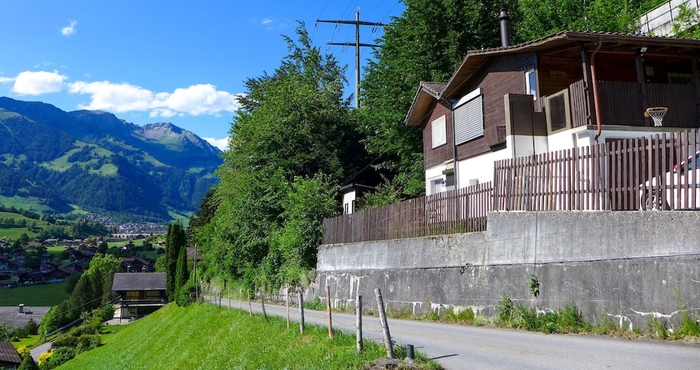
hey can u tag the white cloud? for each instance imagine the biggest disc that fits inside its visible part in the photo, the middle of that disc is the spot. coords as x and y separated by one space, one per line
113 97
6 79
219 143
37 83
69 30
195 100
266 21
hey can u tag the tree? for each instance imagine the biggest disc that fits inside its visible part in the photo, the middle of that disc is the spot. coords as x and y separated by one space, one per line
28 364
293 124
687 23
542 17
175 240
426 43
181 273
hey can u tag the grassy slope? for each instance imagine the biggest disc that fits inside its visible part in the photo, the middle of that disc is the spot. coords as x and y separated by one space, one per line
42 295
205 337
15 232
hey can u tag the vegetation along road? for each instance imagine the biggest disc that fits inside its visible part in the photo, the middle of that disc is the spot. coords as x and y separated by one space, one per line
469 347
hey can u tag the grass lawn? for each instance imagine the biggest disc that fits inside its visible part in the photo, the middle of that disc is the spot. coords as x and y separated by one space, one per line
30 341
42 295
207 337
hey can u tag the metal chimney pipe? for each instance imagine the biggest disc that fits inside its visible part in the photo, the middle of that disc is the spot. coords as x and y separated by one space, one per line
505 28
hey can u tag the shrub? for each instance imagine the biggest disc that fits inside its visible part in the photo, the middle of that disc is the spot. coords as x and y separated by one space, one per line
31 328
28 364
66 340
186 294
505 309
57 358
23 351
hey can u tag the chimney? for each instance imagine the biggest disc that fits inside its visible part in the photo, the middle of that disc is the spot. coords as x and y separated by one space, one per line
505 28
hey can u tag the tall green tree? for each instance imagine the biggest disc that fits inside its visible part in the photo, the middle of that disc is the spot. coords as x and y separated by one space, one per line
293 124
175 240
181 274
426 43
542 17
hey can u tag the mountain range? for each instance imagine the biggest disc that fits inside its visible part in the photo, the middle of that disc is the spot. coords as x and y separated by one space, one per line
92 161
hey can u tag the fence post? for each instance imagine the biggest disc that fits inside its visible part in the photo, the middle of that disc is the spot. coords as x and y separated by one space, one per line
328 309
358 322
301 313
385 324
287 299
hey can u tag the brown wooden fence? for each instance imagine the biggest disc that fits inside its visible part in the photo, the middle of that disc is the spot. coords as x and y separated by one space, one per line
632 174
620 175
455 211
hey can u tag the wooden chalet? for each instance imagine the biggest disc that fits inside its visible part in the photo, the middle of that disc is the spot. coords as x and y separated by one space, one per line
141 293
563 91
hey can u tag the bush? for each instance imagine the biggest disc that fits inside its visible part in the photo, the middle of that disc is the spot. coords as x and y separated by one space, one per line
103 314
28 364
23 351
31 328
66 340
186 294
88 342
57 358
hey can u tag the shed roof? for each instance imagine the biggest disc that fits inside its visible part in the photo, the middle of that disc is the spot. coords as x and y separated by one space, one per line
9 354
138 281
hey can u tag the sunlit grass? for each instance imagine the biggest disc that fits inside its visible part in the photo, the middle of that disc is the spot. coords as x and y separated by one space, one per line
207 337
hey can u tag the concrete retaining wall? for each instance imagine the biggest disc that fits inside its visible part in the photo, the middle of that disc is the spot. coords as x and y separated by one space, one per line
624 265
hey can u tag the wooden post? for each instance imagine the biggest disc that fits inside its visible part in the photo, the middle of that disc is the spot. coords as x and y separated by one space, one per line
301 313
228 294
358 322
250 306
262 302
328 309
385 324
240 298
287 298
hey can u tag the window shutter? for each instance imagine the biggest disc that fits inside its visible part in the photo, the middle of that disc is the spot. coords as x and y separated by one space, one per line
469 120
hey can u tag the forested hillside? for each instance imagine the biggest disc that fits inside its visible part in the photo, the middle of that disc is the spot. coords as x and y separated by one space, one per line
98 163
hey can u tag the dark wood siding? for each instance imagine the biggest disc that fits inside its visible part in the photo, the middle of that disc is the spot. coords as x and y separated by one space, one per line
439 155
501 76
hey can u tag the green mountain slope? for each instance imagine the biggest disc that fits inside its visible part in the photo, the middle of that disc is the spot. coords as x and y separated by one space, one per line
96 162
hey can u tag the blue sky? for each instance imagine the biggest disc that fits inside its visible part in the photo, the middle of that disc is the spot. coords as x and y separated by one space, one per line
175 61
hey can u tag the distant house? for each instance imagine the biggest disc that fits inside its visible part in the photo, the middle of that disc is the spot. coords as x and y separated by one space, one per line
9 358
33 245
141 294
31 277
46 257
59 274
135 264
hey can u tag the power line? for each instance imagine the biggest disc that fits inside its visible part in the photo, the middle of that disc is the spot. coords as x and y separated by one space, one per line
357 23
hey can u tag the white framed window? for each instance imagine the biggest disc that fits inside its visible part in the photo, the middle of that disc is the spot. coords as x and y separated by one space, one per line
469 117
531 83
439 133
437 185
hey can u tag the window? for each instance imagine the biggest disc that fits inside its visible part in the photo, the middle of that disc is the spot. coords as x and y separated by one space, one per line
152 294
558 112
531 83
437 185
439 133
469 117
132 295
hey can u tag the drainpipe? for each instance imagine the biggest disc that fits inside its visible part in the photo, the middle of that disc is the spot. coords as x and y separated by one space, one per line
595 89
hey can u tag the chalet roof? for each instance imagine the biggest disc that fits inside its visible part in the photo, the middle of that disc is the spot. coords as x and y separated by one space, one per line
611 42
426 94
138 281
9 354
556 42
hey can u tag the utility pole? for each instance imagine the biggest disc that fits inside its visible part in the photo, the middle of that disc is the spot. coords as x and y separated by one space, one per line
357 45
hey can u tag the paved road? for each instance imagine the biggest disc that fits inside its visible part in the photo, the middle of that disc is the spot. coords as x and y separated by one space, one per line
467 347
